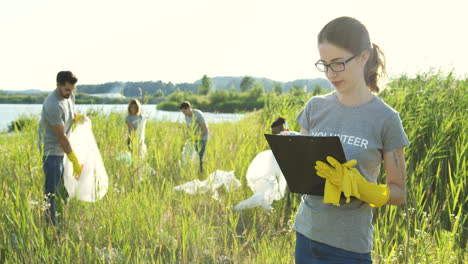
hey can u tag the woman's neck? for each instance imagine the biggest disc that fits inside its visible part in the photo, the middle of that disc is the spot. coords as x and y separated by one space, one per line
356 96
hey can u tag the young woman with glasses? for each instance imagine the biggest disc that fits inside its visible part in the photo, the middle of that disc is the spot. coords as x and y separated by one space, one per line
332 228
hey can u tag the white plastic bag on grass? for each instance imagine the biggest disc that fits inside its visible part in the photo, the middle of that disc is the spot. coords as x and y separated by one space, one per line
213 182
93 182
125 157
226 178
266 180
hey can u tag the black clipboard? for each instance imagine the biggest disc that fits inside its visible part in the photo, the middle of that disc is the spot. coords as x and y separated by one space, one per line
296 157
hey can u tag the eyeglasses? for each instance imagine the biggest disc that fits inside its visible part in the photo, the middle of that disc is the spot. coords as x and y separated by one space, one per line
334 66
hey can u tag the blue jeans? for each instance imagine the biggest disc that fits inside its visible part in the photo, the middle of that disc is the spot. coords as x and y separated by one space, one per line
53 171
200 146
310 251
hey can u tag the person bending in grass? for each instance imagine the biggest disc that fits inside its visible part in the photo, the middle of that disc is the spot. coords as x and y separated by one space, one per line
197 127
278 126
57 117
331 229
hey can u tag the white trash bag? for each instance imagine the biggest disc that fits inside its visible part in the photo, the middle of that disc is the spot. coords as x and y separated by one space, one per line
93 182
189 153
266 180
141 137
213 182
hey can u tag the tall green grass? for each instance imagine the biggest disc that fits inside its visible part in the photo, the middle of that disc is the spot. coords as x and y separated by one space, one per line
433 108
143 220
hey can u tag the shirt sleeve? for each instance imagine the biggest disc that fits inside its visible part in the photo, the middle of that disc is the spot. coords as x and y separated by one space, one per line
54 115
394 135
73 99
200 118
304 116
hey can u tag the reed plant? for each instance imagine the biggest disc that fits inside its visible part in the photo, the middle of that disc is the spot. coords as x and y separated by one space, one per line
142 219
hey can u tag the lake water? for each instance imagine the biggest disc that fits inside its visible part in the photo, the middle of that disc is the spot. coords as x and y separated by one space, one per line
10 112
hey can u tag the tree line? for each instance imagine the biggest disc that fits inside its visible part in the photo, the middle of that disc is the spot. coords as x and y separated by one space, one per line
161 89
252 95
218 94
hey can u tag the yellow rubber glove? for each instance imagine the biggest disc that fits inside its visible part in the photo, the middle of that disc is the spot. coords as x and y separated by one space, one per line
76 165
374 194
195 138
78 117
331 193
353 183
334 179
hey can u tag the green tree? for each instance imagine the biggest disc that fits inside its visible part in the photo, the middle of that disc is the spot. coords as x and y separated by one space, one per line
178 97
159 93
247 83
219 96
317 90
278 88
297 90
205 87
257 90
233 93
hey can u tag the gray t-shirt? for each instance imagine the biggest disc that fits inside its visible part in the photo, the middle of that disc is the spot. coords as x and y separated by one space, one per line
195 123
56 110
367 132
134 120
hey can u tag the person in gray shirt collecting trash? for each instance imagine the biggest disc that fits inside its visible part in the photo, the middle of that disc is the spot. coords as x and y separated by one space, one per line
197 128
58 116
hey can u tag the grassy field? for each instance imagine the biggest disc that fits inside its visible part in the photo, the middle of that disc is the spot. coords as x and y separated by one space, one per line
143 220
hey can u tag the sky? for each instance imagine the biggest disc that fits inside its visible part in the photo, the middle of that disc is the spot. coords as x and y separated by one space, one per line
181 40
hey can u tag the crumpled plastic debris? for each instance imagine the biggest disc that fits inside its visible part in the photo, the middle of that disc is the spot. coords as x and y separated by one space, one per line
211 184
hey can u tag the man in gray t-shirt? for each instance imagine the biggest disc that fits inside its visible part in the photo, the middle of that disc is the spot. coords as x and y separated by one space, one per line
198 129
57 118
